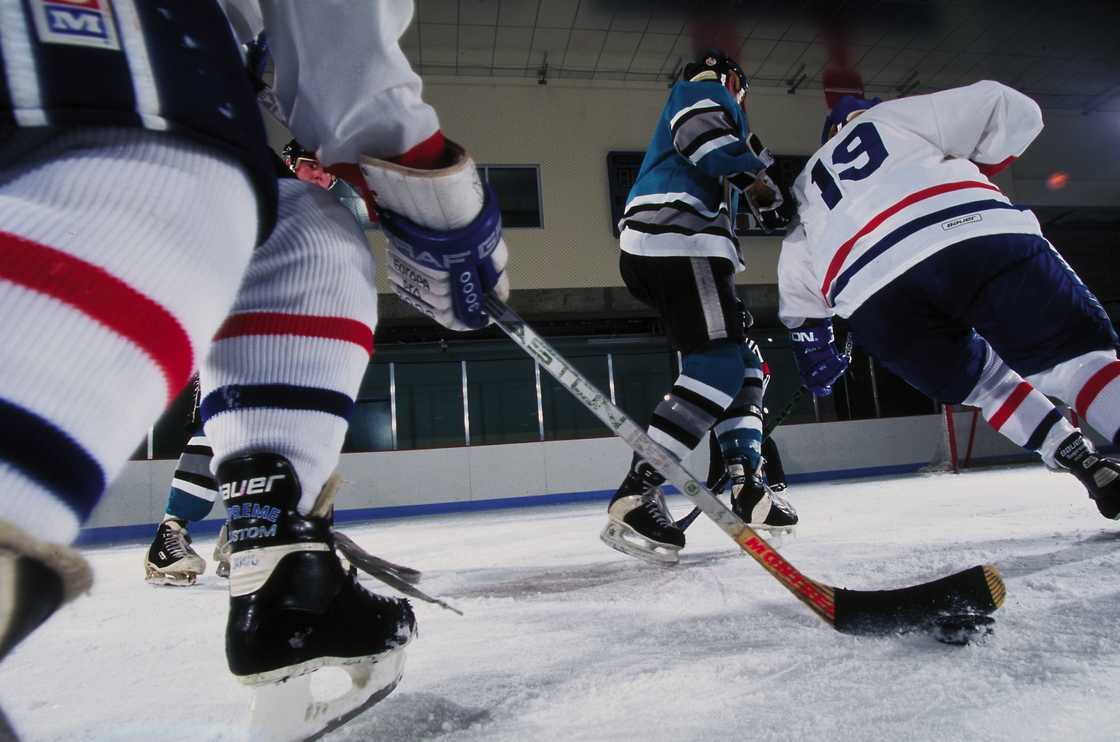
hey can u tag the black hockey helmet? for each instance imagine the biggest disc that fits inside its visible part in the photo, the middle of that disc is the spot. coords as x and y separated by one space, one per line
714 64
294 151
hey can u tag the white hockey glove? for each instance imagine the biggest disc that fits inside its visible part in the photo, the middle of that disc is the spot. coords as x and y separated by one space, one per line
445 238
762 194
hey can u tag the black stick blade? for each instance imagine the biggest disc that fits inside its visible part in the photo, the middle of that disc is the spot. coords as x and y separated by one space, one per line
979 590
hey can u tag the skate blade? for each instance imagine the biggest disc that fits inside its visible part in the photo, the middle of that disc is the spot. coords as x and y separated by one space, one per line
175 579
287 711
622 537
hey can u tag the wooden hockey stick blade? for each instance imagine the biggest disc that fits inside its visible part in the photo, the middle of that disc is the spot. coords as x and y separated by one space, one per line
852 611
978 590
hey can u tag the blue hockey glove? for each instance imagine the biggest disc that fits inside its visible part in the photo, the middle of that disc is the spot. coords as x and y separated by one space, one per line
814 348
446 275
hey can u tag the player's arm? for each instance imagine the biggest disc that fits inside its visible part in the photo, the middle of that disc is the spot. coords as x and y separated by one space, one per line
802 309
986 122
708 132
348 92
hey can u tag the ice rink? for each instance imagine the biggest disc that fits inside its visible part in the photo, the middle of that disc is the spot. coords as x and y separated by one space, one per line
564 639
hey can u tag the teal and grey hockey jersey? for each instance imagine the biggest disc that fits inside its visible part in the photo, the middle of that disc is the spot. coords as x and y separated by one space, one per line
677 205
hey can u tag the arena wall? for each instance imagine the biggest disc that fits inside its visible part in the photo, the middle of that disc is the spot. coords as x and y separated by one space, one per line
421 482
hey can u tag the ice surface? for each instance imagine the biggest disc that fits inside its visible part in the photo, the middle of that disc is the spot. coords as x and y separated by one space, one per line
565 639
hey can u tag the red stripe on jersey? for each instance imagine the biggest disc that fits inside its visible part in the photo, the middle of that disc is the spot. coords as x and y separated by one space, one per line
1096 383
1007 409
842 254
427 155
303 325
104 298
996 169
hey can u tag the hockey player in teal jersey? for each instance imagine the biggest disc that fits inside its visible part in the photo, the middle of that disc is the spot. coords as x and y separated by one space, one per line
679 257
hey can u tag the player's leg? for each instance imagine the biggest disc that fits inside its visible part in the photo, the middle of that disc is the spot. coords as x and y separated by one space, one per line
739 431
915 328
278 388
170 559
772 466
102 325
695 297
1063 343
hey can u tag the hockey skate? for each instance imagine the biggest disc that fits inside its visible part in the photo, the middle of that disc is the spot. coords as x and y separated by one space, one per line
1099 474
36 579
295 611
757 505
638 521
221 552
170 559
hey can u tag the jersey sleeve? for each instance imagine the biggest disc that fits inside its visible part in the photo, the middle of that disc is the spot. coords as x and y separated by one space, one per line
708 131
342 80
798 297
986 122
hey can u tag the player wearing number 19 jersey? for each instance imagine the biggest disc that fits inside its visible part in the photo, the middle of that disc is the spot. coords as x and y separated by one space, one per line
944 279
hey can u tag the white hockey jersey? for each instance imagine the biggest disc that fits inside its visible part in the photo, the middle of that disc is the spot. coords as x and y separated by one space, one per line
342 82
900 182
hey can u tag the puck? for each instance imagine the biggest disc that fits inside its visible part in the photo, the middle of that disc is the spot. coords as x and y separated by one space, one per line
962 628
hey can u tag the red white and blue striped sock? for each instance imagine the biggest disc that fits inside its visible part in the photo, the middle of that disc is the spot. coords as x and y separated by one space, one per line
120 253
1017 410
285 368
1090 383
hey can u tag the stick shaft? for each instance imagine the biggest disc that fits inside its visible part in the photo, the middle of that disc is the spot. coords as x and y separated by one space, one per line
817 596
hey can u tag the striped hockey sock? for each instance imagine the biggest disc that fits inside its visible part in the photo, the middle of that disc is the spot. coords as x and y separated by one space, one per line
706 387
1017 410
1090 383
739 428
193 489
109 294
285 367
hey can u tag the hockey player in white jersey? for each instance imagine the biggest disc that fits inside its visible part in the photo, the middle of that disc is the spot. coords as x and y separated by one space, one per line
112 276
679 256
944 280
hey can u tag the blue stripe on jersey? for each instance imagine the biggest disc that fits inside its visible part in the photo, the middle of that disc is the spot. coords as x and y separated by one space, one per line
275 396
35 448
905 231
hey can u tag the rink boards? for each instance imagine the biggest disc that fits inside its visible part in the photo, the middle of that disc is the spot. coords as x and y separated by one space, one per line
417 482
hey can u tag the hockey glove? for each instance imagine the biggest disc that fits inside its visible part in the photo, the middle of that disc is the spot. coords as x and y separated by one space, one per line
446 275
763 197
759 150
445 237
814 349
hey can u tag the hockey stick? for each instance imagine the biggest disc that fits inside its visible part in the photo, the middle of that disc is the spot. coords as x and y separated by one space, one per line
975 591
686 521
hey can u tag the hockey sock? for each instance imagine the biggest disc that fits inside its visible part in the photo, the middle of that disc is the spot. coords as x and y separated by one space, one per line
740 426
1017 410
285 367
120 252
1090 383
193 488
708 383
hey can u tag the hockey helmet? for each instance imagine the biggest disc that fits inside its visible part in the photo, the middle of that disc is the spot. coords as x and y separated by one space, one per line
293 152
713 64
843 111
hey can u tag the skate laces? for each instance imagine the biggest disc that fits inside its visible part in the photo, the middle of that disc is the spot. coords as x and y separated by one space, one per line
655 506
175 542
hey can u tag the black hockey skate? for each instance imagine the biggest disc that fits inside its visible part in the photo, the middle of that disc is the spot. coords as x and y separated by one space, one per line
638 521
293 610
1099 474
36 579
756 504
171 560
